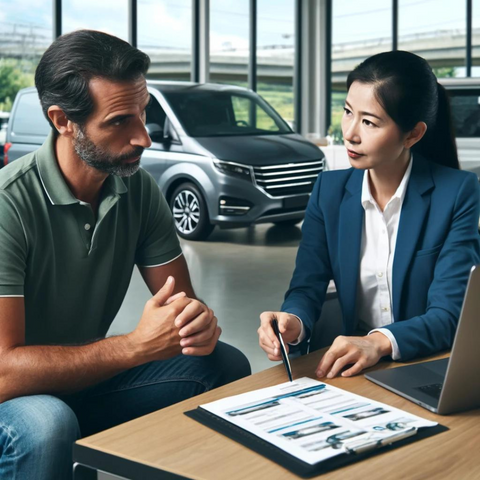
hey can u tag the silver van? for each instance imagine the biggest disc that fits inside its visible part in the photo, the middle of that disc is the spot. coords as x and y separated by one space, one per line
220 154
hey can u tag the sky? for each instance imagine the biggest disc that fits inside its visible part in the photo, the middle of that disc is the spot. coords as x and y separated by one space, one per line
371 19
167 23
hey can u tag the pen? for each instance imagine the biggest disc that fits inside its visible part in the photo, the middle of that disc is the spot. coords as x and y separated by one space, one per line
283 350
360 446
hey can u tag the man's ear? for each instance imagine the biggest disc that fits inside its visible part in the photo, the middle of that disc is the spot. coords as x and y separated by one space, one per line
63 125
415 135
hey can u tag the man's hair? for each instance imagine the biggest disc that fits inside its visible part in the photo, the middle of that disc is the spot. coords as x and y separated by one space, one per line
72 60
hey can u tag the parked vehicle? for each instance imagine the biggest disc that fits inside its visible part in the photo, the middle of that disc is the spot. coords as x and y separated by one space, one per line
220 154
4 116
464 97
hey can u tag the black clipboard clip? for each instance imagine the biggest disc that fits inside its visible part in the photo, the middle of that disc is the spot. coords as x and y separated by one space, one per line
367 444
283 350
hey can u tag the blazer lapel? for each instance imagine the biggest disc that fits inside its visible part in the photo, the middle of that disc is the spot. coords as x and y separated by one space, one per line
414 210
349 243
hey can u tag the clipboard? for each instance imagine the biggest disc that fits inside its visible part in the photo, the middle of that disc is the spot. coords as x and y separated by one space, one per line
352 453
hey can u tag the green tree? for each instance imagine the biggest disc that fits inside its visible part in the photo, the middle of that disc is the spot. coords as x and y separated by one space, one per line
12 79
445 72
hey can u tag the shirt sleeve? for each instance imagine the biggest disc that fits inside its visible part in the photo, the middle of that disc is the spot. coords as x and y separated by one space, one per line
395 350
13 251
301 335
158 244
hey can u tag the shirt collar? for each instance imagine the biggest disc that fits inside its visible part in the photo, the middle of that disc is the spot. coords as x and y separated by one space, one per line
367 198
52 179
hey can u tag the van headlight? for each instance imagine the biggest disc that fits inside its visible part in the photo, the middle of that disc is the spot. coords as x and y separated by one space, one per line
235 169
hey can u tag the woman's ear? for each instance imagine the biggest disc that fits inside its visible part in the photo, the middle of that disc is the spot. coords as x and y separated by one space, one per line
415 135
63 125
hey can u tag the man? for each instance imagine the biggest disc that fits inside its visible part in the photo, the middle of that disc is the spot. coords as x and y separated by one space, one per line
75 217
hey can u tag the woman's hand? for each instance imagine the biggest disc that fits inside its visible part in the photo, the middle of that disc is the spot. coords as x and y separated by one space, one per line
362 352
288 325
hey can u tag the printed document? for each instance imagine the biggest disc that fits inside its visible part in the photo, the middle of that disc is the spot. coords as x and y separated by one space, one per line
315 421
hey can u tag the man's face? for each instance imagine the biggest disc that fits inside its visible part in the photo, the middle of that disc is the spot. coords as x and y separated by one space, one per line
114 136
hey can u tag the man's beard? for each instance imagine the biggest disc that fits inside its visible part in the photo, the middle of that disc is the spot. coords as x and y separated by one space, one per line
102 160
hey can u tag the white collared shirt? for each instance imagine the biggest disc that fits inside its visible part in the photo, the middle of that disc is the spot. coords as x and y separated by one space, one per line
379 237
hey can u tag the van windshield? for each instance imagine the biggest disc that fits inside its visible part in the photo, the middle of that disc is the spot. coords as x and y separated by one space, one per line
222 113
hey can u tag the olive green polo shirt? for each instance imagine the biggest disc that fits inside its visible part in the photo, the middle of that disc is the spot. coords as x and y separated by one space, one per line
72 268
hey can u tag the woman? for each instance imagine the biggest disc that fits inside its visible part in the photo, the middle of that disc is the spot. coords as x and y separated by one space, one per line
397 232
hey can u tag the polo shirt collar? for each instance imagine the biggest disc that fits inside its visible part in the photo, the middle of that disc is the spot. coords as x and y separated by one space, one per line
115 185
52 179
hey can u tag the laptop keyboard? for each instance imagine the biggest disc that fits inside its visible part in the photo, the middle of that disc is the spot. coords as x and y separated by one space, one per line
433 390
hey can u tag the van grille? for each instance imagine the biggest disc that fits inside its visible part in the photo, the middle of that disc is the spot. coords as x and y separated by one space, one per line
288 179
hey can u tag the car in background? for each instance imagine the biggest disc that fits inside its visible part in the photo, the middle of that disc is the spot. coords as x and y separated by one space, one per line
4 116
464 97
220 154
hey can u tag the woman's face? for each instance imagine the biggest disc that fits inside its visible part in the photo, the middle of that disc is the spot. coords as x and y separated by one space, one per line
372 138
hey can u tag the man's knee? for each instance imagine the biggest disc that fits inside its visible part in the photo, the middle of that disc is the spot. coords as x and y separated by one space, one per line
38 432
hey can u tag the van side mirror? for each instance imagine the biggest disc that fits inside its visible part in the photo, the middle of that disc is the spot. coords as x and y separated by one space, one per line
155 131
169 133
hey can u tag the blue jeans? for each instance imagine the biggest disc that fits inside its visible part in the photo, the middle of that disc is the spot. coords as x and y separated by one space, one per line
37 432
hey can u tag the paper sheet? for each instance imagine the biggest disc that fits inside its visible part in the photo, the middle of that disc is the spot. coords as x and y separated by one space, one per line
315 421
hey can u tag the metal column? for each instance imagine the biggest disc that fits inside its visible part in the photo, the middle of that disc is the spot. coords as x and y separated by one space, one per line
132 22
313 72
252 62
200 41
57 18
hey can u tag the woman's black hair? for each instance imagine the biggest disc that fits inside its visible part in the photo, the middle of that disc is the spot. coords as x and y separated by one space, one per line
72 60
408 91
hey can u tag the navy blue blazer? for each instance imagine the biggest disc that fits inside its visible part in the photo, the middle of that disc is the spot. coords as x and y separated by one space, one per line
437 244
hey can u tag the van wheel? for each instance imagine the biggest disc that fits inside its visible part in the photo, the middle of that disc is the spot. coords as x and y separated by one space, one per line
190 213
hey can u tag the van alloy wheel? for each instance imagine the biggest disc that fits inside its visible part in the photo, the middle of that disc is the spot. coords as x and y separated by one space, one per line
190 212
186 212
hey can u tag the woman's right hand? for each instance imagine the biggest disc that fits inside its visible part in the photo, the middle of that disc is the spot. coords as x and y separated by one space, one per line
288 325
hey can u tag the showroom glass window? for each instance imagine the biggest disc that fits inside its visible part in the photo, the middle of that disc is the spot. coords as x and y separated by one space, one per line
476 39
165 34
360 29
275 54
25 33
110 16
436 30
229 41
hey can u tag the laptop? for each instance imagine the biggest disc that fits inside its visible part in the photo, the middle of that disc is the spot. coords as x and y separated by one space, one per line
451 384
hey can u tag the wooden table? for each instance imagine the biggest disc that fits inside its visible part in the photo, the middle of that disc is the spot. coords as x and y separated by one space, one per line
167 444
